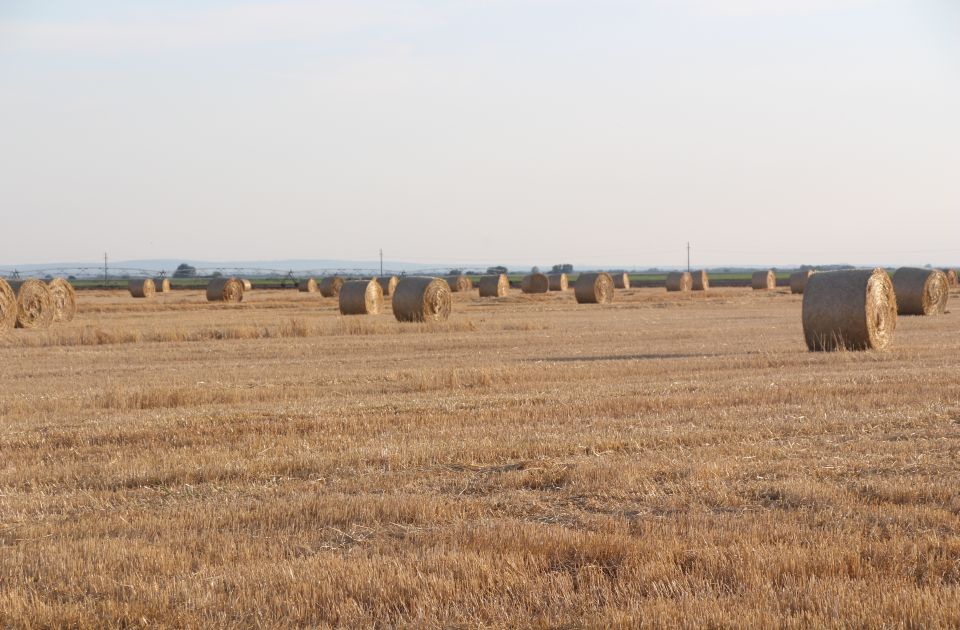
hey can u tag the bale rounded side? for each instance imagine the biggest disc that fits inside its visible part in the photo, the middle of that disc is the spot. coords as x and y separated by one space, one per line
852 309
361 297
142 287
247 285
307 285
459 283
162 285
764 280
559 281
621 280
594 288
494 286
64 300
921 291
952 278
535 283
679 281
388 284
699 281
798 281
225 290
330 286
422 299
34 304
8 306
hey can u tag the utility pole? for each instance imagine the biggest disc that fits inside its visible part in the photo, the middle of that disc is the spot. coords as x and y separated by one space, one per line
688 255
104 270
381 262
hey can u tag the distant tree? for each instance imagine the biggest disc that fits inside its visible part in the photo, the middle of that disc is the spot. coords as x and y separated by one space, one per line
493 271
71 278
185 271
564 268
216 274
535 269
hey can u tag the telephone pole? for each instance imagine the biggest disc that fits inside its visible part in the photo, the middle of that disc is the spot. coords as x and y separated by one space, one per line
688 255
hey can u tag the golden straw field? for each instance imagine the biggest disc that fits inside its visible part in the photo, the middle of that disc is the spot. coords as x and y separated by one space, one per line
670 459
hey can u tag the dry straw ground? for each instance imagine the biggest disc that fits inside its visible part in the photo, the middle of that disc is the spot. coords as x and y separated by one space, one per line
668 459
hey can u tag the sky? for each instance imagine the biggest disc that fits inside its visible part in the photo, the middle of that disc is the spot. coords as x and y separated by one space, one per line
609 132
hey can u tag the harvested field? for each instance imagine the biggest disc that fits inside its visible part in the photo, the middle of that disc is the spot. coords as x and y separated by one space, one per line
671 459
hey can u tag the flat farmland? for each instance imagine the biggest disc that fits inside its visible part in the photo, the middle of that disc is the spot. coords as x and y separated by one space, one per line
669 459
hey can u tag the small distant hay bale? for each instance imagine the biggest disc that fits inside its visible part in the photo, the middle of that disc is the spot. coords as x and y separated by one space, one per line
764 280
225 290
594 288
330 286
559 281
798 281
952 278
361 297
535 283
422 299
162 285
921 291
34 304
307 285
852 309
388 284
494 286
459 283
142 288
247 285
64 300
679 281
700 281
621 280
8 306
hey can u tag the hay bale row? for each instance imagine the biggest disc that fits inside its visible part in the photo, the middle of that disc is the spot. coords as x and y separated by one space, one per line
764 280
700 281
361 297
494 286
225 290
422 299
679 281
594 288
921 291
798 281
535 283
388 284
459 283
330 286
142 287
852 310
559 281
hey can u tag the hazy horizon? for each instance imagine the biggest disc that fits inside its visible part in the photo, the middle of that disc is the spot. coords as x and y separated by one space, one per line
765 132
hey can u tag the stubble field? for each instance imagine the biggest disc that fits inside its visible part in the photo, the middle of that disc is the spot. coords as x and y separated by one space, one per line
665 460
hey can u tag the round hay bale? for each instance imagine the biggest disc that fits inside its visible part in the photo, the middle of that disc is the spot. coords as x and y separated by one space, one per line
852 310
225 290
621 280
920 291
764 280
162 285
594 288
535 283
798 281
34 304
361 297
330 286
422 299
307 285
388 284
494 286
459 283
952 278
64 300
559 281
247 285
142 288
679 281
700 281
8 306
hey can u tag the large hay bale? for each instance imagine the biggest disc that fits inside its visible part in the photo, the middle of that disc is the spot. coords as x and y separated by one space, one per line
952 278
388 284
853 310
459 283
422 299
34 304
798 281
307 285
679 281
764 280
8 306
621 280
558 281
162 284
700 281
330 286
142 288
247 285
494 286
361 297
594 288
64 300
225 290
535 283
920 291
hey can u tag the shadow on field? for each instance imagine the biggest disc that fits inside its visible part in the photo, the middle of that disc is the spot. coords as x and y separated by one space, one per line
626 357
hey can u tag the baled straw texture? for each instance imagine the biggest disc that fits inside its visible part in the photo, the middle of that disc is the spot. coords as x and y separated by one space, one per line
621 280
8 306
330 286
679 281
700 281
388 284
34 304
764 280
535 283
247 285
361 297
64 300
459 283
559 282
494 286
594 288
162 285
225 290
798 281
952 279
422 299
920 291
142 288
307 285
852 310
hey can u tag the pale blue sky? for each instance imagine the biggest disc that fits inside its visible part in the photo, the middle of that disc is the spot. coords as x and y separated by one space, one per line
523 131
